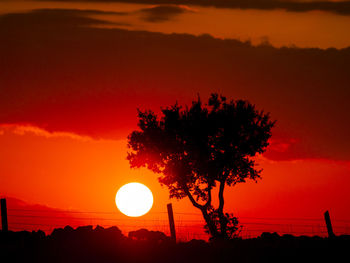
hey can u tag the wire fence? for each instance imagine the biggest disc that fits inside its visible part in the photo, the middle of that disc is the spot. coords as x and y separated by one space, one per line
188 225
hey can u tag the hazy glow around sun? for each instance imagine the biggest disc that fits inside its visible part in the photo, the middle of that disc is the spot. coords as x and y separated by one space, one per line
134 199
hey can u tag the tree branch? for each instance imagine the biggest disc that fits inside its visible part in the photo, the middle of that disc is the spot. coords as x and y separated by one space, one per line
208 203
194 203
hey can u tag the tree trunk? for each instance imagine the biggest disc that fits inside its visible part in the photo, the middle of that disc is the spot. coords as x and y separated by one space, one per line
211 226
204 209
222 218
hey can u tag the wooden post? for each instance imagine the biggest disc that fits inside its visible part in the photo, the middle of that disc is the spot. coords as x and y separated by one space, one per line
171 221
4 215
329 224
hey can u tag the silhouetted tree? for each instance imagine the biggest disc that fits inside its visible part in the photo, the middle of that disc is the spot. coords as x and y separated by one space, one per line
195 149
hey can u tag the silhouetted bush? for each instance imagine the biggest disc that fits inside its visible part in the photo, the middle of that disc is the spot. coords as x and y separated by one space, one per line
154 237
87 244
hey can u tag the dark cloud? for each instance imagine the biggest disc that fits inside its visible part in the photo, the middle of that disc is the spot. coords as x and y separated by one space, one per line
58 18
163 13
342 8
76 12
90 81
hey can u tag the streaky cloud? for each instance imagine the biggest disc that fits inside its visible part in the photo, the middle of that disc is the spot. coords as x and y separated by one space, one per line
24 129
342 8
62 18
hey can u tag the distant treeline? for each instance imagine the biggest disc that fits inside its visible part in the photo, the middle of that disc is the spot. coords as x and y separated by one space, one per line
85 244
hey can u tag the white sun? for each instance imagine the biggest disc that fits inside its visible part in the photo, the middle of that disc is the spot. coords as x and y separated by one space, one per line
134 199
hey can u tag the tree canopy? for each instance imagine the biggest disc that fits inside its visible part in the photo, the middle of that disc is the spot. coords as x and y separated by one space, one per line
194 149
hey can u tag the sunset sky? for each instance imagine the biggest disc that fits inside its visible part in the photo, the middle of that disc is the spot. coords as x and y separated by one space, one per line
73 73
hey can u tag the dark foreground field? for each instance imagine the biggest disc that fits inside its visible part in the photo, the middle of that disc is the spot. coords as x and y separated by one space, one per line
86 244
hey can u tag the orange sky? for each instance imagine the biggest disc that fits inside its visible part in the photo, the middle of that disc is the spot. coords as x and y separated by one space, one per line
69 92
68 172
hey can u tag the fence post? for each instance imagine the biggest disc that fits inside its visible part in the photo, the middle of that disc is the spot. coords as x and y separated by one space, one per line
4 215
171 221
329 224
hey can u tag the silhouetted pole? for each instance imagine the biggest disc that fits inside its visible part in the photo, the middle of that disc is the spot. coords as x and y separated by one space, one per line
171 221
329 224
4 215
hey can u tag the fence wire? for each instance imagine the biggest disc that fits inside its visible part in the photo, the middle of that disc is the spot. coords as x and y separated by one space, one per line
188 225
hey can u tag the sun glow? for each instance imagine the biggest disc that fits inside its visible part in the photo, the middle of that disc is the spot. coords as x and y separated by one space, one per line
134 199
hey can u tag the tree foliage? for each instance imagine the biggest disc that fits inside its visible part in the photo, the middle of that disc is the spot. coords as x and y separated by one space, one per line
194 149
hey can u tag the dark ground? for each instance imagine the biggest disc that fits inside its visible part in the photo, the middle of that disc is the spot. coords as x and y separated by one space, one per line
86 244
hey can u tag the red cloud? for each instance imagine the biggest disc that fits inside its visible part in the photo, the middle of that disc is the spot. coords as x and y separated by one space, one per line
63 77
